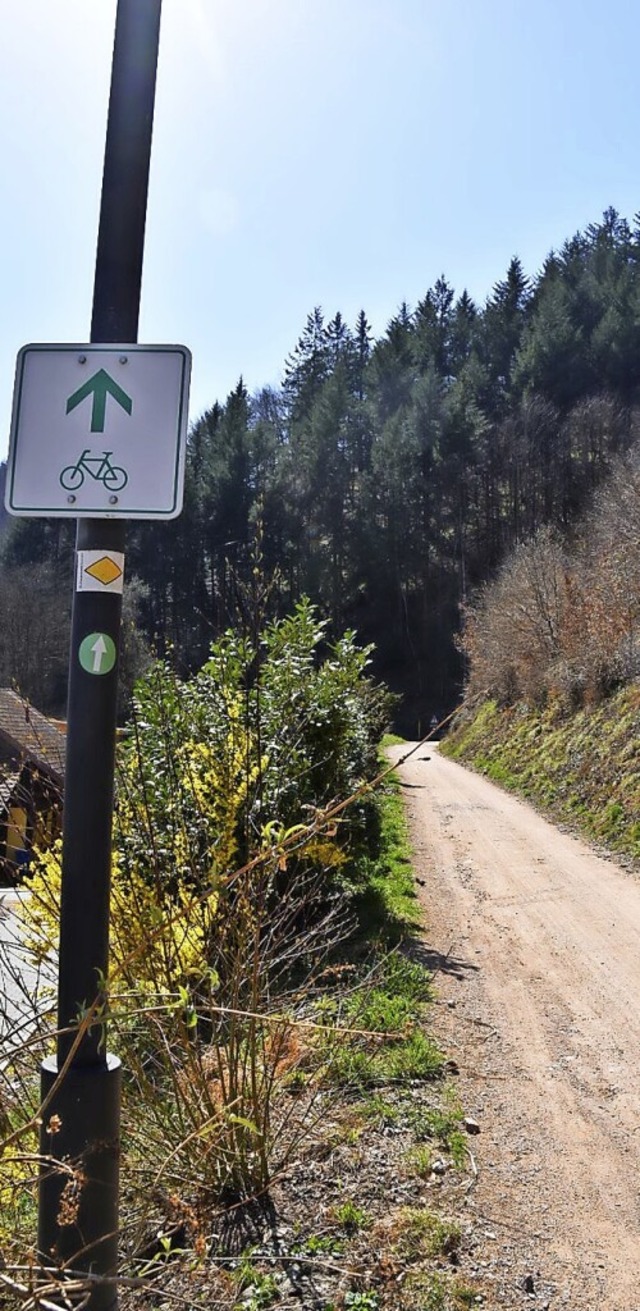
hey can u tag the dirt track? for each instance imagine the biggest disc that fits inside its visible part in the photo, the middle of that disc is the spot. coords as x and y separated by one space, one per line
536 944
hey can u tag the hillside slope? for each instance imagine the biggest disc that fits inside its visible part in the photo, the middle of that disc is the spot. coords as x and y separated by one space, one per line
582 769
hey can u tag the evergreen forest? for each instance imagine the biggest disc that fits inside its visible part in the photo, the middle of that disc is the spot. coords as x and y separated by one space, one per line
388 480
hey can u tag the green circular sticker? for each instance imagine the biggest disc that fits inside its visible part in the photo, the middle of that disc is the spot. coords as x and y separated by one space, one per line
97 653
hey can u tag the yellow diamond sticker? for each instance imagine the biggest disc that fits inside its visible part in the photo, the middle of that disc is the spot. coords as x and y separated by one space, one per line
100 571
105 570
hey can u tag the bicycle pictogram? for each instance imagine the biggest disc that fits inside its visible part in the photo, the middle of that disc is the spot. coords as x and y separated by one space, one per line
98 467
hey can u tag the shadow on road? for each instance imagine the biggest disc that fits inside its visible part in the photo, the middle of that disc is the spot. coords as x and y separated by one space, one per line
438 962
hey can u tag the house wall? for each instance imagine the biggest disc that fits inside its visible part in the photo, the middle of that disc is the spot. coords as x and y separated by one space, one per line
31 817
16 849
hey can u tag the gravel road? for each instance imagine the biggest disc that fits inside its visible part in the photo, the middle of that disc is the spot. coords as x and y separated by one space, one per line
535 940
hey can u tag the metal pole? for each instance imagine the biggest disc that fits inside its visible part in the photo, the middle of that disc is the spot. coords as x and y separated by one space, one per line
85 1109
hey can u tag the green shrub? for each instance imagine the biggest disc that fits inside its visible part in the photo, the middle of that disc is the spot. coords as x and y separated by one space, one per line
267 734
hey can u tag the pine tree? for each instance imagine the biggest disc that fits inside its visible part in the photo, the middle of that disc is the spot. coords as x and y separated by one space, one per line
306 368
392 369
463 332
503 324
432 329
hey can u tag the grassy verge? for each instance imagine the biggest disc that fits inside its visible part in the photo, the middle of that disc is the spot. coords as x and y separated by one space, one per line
581 768
389 901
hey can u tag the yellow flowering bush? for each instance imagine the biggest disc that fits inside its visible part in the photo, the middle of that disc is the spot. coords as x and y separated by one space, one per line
230 889
158 940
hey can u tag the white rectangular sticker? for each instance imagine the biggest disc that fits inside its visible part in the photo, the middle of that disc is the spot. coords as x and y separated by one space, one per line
99 571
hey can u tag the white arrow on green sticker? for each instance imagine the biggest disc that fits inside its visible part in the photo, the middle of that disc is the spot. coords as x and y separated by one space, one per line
97 653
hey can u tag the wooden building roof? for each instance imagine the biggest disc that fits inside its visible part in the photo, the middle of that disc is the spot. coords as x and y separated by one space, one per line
27 735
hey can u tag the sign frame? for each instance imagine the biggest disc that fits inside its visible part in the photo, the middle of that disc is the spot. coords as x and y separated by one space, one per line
23 442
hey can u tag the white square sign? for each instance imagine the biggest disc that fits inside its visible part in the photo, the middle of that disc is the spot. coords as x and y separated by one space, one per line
99 431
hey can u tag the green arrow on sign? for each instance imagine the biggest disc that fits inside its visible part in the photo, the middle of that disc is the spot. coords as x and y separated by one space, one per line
100 386
97 653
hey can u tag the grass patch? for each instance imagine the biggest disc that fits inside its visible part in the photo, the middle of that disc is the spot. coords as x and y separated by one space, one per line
351 1217
431 1291
420 1160
388 900
377 1033
413 1058
319 1245
416 1058
419 1233
258 1291
380 1113
442 1125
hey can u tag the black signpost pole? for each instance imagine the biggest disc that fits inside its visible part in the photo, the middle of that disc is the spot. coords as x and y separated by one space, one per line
78 1198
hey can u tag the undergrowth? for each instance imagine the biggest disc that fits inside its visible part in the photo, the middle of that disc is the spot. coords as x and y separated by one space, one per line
266 1001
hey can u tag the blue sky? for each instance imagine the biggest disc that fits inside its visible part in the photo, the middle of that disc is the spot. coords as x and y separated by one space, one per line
340 153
